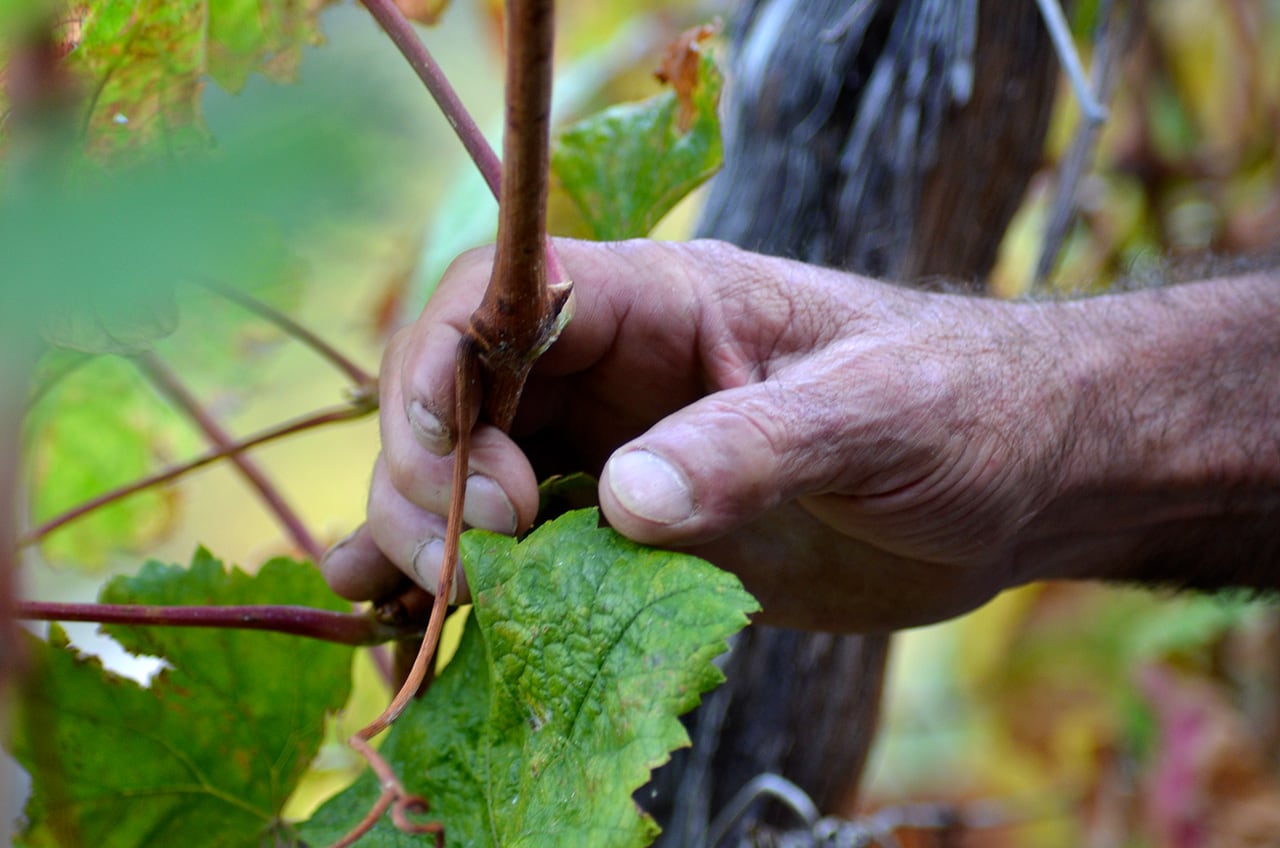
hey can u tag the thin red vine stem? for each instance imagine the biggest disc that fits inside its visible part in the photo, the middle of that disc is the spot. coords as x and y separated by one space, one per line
326 625
402 33
292 328
393 792
168 383
334 415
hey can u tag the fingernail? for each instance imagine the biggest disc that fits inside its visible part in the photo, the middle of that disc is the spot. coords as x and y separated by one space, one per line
649 487
430 430
487 506
339 545
428 559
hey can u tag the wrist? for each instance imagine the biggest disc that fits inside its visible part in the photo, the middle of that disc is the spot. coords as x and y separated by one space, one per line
1174 470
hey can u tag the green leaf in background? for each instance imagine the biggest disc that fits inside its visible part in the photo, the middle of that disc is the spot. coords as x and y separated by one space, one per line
96 230
1190 625
130 324
255 35
629 165
98 426
96 263
210 752
146 62
582 650
143 62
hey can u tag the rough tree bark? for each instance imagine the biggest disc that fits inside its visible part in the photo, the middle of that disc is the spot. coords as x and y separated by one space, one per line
894 139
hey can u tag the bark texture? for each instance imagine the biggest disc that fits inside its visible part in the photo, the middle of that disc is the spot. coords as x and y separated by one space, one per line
894 139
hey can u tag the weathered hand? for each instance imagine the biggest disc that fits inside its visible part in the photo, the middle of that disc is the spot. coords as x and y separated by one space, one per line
864 456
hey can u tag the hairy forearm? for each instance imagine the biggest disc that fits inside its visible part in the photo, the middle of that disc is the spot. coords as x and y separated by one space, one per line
1175 473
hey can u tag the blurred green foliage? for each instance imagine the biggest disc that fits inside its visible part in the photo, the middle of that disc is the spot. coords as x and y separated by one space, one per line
1187 165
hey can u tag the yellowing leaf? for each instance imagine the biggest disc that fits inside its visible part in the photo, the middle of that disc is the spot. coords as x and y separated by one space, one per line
629 165
146 62
98 427
581 651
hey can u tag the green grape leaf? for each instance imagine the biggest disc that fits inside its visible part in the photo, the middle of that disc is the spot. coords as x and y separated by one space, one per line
205 756
627 166
98 426
581 651
94 242
143 62
255 35
146 62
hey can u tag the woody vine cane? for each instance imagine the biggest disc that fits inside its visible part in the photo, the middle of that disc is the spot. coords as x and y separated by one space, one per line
520 316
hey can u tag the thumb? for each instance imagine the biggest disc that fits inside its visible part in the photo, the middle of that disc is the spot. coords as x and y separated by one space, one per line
720 463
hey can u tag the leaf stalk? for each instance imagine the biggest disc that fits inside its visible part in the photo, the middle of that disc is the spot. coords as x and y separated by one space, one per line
325 625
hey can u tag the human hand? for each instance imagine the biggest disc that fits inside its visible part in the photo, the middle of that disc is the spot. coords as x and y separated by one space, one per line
863 456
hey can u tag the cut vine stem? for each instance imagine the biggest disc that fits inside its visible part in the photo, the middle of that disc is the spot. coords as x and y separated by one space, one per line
518 319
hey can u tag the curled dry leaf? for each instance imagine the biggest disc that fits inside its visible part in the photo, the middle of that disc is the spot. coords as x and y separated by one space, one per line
679 68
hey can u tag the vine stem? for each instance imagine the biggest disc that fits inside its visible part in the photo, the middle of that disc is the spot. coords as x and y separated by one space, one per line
394 795
402 33
517 320
361 378
363 406
168 383
1055 22
326 625
519 317
1109 40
